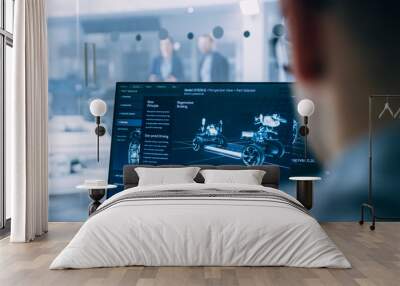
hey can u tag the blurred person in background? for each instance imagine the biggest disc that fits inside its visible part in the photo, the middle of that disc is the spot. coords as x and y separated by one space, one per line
343 52
279 55
213 65
167 66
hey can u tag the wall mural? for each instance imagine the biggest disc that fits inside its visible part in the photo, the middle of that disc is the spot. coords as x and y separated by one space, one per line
93 47
205 123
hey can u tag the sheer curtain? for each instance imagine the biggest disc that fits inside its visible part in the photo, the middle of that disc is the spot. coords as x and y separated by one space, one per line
27 124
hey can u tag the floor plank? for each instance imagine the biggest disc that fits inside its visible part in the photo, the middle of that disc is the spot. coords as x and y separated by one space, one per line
375 257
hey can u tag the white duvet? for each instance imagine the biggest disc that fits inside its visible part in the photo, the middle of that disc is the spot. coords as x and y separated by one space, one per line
206 231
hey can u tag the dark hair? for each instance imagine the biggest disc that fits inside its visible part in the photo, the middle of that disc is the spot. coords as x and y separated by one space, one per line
373 17
372 28
374 24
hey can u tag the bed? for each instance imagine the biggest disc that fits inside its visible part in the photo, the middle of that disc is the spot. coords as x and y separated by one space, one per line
197 224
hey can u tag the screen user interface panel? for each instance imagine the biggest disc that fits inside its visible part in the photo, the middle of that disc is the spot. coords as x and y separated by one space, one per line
203 123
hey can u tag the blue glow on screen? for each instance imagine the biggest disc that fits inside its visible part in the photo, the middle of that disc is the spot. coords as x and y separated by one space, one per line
203 123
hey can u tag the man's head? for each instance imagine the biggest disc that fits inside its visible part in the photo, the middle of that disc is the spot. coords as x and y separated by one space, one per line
167 47
205 43
343 51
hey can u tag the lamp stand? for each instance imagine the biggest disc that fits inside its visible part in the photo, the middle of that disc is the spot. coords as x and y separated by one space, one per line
304 131
305 147
100 131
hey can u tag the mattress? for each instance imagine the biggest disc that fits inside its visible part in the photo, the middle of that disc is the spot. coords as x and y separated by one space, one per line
201 225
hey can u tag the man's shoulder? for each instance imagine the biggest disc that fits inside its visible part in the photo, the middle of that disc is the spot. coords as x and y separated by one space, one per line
176 58
157 59
218 56
351 170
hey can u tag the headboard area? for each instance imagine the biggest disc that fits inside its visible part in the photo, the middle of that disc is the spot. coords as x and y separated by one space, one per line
271 177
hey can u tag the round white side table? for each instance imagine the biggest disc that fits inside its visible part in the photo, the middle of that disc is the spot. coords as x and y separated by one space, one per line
96 193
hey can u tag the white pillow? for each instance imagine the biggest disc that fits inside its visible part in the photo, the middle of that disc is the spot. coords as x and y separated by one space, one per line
166 176
248 177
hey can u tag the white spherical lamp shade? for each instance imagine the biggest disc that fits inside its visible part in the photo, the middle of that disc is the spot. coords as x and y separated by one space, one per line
98 107
305 107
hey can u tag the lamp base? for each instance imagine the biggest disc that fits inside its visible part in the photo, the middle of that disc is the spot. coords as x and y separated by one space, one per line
100 130
304 130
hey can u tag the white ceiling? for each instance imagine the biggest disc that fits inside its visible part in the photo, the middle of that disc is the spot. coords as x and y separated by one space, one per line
65 8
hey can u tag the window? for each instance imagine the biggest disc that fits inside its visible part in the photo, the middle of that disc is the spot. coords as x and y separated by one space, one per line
9 15
6 44
91 47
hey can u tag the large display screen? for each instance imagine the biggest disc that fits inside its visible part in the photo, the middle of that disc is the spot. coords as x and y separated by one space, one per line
203 123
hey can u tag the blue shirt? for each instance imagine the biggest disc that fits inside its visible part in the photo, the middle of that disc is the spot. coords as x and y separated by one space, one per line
338 197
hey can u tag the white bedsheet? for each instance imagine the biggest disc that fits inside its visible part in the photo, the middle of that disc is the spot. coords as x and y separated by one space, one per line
211 231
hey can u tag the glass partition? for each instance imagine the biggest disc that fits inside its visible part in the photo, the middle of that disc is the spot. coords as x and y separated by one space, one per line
91 47
9 12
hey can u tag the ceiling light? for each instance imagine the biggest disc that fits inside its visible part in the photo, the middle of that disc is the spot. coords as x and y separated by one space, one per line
177 46
249 7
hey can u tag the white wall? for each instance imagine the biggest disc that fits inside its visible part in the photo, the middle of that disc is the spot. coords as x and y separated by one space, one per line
254 48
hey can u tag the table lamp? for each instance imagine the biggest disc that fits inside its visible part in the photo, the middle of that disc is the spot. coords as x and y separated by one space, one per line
305 108
98 108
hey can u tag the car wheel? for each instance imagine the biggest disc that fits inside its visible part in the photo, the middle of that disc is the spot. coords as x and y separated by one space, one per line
274 149
253 155
197 144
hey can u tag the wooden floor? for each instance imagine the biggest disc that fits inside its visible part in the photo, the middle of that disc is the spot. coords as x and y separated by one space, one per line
375 257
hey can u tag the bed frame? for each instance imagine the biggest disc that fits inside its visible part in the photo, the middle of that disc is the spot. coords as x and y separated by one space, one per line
271 177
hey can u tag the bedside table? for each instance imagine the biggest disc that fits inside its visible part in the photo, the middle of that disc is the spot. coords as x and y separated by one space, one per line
304 191
96 193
